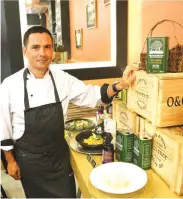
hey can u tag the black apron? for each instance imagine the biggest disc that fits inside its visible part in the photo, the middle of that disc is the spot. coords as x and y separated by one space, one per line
42 152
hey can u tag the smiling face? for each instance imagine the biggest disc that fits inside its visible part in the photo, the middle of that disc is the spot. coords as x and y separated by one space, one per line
39 51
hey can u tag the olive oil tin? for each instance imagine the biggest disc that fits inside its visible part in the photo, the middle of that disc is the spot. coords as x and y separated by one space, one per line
157 54
123 96
124 145
120 95
142 151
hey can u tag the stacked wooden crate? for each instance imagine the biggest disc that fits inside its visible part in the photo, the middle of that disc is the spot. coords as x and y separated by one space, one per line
158 99
125 119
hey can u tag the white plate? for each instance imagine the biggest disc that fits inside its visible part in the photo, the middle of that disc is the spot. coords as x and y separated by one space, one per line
118 177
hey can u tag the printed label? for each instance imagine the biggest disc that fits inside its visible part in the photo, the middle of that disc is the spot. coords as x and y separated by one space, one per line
136 147
128 148
119 146
124 120
142 92
119 142
159 150
156 47
175 101
157 54
107 156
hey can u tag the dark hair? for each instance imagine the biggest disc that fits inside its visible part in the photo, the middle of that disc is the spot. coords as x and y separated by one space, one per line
35 29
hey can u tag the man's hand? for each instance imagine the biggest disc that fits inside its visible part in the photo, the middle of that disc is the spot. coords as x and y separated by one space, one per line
128 77
14 170
12 166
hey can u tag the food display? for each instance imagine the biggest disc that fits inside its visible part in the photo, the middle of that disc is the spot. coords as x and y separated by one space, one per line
94 139
79 125
90 140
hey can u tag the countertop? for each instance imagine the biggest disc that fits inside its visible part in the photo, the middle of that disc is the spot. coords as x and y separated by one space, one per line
155 187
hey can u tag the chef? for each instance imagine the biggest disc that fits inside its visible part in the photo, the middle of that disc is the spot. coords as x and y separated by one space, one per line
33 108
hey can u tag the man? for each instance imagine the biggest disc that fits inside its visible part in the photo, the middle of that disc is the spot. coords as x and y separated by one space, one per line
33 107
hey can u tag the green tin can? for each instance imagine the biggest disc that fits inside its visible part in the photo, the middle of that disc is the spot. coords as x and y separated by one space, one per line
120 95
142 151
124 96
157 54
124 145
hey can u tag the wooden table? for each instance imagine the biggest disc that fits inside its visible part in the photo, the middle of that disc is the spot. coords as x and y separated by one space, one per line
155 187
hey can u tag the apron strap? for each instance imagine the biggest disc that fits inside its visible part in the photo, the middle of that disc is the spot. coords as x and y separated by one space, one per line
57 99
26 98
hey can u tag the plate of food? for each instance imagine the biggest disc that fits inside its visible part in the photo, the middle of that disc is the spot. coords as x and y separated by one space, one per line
90 140
77 147
79 125
118 177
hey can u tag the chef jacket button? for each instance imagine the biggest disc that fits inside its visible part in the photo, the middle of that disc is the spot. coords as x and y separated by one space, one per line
31 95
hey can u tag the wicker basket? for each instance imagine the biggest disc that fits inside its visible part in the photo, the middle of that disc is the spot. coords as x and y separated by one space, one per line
175 60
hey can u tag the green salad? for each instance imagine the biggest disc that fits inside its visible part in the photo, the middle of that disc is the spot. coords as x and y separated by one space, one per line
79 125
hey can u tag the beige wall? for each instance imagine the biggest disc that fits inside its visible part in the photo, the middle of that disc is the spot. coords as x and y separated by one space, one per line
96 41
134 30
100 82
144 14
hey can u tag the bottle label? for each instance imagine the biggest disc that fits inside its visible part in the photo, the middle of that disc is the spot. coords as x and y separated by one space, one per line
107 156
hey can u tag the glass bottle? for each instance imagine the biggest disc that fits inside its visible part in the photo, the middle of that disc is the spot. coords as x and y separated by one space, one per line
100 120
108 149
100 110
99 124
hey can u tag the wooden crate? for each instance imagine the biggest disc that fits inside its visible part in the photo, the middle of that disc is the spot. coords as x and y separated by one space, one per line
167 155
158 98
124 118
140 125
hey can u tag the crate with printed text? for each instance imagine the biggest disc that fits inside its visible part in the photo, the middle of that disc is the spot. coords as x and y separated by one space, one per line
125 119
167 155
158 98
140 125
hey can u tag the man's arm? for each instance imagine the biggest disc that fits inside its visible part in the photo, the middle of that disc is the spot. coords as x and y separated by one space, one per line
6 132
90 95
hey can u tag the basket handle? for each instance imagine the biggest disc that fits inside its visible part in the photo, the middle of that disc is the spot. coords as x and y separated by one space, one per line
164 20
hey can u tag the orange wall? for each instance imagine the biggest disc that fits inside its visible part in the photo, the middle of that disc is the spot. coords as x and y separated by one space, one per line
96 42
143 15
154 11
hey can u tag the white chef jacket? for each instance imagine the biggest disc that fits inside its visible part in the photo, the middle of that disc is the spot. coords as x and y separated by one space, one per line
40 92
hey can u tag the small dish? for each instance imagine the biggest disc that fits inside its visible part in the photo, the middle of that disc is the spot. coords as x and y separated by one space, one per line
85 135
